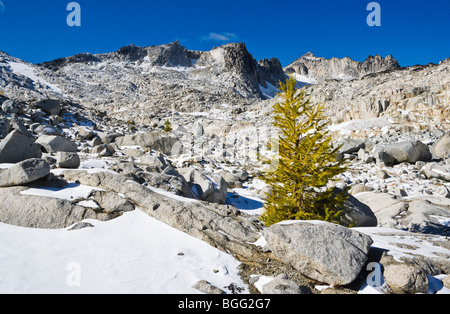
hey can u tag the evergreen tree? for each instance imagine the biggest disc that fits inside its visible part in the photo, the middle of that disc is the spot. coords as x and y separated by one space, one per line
306 163
167 126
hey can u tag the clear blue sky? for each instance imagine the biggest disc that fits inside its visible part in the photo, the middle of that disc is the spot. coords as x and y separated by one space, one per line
413 31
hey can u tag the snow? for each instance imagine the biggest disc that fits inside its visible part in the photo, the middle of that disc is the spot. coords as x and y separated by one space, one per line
269 92
262 280
363 124
131 254
28 71
88 203
245 201
71 191
304 80
171 195
445 221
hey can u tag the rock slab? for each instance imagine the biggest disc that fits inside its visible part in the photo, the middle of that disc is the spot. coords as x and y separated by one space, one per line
17 147
24 172
324 252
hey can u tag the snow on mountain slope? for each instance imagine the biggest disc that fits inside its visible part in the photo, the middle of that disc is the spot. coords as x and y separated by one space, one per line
29 72
24 81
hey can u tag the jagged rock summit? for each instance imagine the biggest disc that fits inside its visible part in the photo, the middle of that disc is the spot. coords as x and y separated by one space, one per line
319 69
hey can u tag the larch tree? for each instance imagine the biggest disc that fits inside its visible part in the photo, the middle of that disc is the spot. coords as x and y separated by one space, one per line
307 162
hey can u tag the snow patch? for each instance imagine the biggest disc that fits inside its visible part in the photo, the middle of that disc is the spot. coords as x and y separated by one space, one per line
27 71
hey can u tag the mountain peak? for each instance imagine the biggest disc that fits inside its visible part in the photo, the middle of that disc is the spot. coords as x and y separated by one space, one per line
344 69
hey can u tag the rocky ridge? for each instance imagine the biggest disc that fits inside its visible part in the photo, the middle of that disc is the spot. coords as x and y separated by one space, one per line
320 69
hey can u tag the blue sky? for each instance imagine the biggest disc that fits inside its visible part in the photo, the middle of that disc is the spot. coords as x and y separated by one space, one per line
413 31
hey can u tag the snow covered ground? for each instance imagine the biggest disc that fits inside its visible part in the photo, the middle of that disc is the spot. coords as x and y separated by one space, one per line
131 254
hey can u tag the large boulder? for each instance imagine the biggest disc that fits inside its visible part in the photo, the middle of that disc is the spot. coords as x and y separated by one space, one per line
351 145
10 107
54 144
207 187
386 207
111 202
32 211
357 214
325 252
424 216
434 170
405 279
17 147
161 142
67 160
418 214
441 148
50 106
408 276
24 172
408 151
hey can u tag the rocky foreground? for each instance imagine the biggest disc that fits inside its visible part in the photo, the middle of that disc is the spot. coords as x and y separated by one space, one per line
202 176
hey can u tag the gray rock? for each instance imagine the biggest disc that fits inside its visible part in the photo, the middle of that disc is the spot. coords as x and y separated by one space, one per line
41 212
111 202
441 148
10 107
126 168
17 147
270 71
364 156
103 150
408 151
360 188
241 174
405 278
206 287
281 284
207 187
68 160
228 176
49 106
357 214
422 217
161 142
46 130
386 207
383 158
157 163
17 124
54 144
24 172
435 170
324 252
382 174
340 69
446 281
351 146
198 130
5 127
96 141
